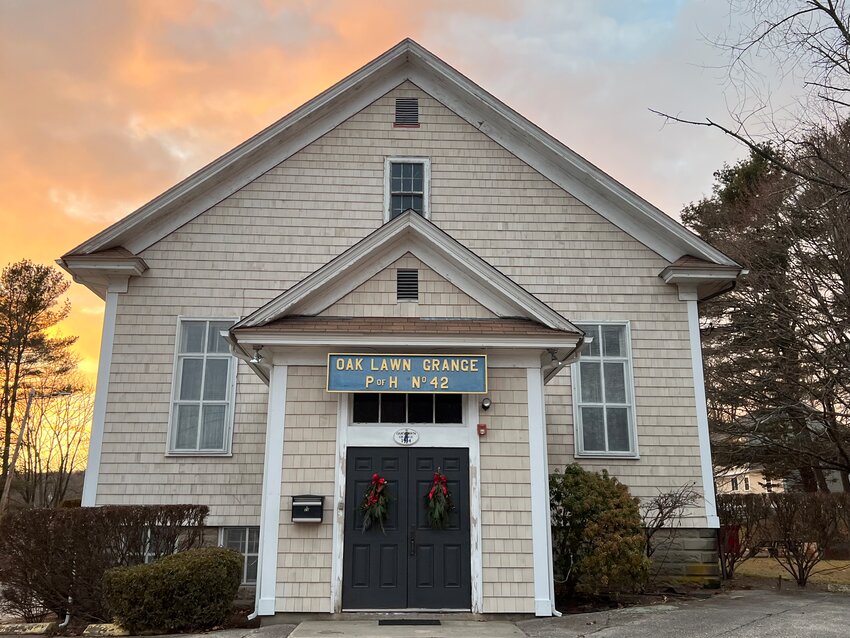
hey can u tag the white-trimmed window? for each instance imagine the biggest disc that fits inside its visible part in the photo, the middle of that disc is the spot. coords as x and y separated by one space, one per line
204 380
246 541
604 394
406 185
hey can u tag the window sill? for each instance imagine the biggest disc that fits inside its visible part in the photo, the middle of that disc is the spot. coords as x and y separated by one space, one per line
192 453
608 456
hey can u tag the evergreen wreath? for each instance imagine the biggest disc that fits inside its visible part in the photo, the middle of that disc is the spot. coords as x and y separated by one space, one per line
375 504
438 501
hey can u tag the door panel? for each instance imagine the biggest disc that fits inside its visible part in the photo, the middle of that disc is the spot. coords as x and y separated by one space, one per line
374 561
408 564
440 576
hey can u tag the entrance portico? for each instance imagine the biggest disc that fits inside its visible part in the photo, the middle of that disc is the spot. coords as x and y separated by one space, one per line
495 555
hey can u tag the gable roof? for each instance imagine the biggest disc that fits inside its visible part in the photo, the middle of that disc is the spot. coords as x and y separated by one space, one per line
408 233
406 61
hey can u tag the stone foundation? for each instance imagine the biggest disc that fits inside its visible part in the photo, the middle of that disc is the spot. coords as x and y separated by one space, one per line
686 557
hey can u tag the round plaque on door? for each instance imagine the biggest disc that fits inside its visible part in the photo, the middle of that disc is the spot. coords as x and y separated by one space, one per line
406 436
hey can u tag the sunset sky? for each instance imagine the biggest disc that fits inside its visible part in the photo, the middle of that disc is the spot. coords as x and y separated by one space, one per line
106 103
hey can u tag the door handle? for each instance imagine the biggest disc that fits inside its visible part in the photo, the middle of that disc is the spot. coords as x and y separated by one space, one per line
412 541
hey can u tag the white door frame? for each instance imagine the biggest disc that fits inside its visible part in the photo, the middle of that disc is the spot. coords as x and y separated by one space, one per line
465 436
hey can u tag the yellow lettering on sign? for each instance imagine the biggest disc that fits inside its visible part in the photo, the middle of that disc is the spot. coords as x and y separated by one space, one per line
340 364
393 382
405 364
473 365
414 382
369 380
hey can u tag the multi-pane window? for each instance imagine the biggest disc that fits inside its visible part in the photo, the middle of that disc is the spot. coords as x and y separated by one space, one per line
604 398
407 187
746 483
202 395
408 408
246 541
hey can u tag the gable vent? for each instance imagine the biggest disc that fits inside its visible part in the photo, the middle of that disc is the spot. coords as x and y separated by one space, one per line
406 111
407 285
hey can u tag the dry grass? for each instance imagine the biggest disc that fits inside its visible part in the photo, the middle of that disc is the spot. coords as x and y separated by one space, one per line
827 572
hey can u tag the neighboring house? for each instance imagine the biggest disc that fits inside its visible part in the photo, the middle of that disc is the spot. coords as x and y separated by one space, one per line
746 480
403 212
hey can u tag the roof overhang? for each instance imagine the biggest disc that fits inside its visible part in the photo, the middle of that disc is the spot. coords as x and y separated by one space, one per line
107 271
406 61
705 279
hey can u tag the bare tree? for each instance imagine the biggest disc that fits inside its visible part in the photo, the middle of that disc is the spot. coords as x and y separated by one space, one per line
30 307
56 441
664 512
803 45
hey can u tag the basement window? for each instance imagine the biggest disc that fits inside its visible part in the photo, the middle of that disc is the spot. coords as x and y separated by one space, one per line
406 112
407 285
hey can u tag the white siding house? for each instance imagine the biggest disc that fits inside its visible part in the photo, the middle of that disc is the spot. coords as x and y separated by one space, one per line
402 212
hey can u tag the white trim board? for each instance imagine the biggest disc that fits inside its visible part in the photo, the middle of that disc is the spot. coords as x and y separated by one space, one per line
541 541
406 61
104 366
270 505
706 467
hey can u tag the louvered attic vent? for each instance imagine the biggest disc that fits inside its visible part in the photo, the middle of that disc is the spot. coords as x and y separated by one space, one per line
406 111
407 285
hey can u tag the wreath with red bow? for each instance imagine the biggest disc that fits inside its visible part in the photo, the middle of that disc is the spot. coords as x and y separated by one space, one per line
438 502
375 504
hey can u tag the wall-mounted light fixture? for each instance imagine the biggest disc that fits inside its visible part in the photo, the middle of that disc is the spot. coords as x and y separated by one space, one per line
258 356
486 403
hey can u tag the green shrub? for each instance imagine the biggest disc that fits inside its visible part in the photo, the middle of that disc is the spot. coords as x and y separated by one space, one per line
597 536
190 590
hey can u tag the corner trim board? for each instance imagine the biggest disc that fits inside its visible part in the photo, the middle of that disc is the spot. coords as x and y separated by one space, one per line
270 507
539 471
339 502
702 417
89 497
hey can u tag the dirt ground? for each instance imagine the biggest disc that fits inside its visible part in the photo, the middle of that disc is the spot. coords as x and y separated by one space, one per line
766 573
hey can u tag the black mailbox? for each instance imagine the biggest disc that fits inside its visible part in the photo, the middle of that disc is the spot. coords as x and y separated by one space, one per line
307 508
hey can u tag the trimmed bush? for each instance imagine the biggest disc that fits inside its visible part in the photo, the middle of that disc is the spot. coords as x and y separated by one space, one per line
597 536
56 558
190 590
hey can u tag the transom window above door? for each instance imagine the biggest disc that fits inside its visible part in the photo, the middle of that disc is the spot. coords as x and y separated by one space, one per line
443 409
406 186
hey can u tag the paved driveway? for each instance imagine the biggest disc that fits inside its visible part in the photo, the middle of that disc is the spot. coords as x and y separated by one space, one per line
739 614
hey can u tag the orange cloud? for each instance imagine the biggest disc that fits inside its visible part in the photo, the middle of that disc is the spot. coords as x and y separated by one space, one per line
107 104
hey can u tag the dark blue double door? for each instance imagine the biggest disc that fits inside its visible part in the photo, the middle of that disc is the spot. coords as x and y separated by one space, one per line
407 565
